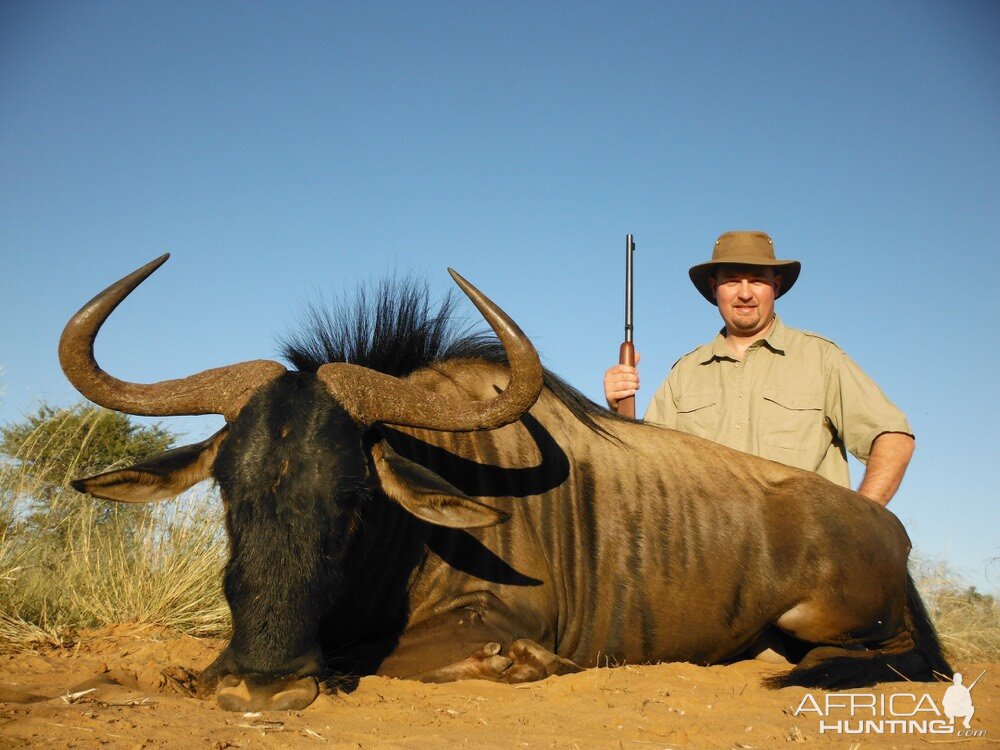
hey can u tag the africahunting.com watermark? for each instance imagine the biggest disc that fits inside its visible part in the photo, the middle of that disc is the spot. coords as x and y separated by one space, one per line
896 713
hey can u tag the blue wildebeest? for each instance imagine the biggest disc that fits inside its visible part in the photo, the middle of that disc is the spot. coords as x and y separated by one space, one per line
415 503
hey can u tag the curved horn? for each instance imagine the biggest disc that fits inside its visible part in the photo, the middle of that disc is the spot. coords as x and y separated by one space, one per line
223 390
370 396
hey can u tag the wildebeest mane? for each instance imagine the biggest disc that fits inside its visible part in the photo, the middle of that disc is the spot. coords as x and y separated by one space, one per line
393 327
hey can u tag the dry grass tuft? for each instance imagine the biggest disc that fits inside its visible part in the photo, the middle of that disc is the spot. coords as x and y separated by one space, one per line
164 571
70 562
967 621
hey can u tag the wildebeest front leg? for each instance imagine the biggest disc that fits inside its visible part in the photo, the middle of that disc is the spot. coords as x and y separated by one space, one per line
530 662
525 661
451 644
484 664
465 639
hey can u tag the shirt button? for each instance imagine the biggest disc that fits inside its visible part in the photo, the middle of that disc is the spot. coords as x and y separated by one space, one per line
741 395
737 364
739 427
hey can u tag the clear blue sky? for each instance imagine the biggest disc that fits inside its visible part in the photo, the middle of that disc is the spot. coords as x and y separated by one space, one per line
284 150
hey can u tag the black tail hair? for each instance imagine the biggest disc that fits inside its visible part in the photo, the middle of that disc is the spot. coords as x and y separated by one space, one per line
923 632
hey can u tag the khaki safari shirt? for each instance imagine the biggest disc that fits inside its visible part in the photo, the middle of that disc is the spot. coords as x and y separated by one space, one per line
794 398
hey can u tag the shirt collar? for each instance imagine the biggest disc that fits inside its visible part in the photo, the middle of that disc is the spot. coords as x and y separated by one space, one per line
717 349
775 338
775 341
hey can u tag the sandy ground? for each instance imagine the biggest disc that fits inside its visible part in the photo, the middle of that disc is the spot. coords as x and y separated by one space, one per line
126 689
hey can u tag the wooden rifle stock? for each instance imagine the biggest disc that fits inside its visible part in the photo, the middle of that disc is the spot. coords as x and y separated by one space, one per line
626 352
626 356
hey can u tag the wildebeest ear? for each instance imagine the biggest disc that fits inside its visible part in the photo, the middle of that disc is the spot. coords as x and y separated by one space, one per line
157 478
427 496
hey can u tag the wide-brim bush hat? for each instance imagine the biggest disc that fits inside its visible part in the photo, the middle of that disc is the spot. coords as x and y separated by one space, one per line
743 249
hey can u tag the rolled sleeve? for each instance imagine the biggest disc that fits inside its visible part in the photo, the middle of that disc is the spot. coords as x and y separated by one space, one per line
858 409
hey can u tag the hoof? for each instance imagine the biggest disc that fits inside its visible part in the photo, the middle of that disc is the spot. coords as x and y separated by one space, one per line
490 659
254 694
532 662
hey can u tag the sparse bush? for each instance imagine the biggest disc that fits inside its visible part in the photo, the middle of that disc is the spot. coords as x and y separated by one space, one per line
68 561
53 446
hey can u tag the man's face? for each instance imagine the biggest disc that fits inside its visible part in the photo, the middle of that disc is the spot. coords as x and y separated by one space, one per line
745 295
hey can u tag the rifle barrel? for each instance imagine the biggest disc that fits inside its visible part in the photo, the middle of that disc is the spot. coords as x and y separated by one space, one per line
629 250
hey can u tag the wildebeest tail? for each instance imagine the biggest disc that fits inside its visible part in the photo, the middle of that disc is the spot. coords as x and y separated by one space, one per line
922 629
915 655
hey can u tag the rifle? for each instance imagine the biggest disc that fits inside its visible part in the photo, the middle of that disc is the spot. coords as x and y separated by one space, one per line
976 680
626 352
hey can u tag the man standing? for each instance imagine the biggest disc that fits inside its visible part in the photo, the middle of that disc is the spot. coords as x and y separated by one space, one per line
768 389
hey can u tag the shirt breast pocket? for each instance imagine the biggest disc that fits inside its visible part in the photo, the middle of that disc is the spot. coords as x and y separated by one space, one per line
698 413
792 420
